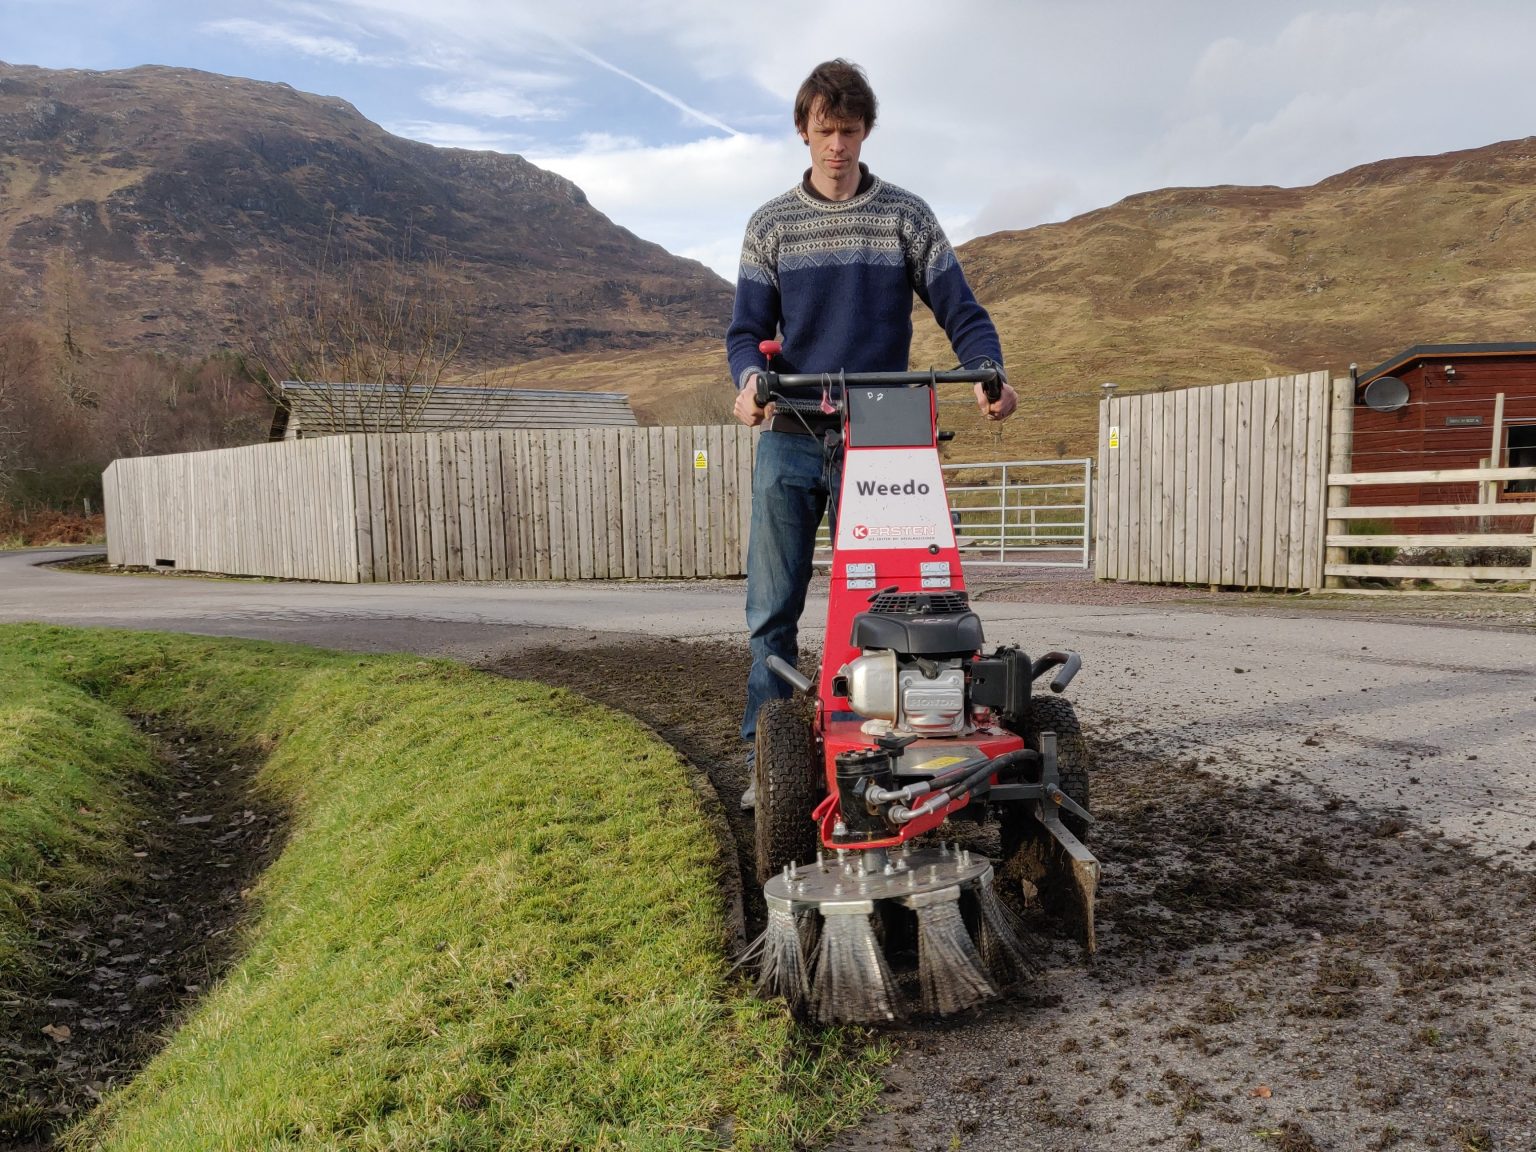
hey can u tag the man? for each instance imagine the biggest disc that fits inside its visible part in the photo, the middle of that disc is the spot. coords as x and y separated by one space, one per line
830 267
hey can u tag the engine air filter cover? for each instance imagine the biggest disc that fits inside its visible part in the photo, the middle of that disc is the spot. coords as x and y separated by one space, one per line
919 624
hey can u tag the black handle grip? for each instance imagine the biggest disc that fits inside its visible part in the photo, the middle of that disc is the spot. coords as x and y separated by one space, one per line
1069 662
764 388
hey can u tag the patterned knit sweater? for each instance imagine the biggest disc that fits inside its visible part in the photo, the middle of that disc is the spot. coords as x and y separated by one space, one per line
837 277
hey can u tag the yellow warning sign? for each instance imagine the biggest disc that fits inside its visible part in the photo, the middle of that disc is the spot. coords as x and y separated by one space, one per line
701 459
1114 435
940 762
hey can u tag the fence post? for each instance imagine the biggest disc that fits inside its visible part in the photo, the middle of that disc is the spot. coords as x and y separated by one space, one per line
1002 519
1341 430
1489 492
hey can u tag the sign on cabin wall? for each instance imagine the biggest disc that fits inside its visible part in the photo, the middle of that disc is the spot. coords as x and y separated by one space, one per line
1463 421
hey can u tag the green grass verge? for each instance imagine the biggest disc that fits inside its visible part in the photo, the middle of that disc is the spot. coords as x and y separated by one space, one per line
66 764
495 924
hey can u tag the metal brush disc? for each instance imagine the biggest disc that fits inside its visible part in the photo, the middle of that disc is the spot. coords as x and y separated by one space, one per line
869 875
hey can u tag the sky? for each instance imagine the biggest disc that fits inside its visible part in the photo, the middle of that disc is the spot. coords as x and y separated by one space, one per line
674 116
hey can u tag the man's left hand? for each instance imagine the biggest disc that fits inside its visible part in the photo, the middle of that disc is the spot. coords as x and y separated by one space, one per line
1001 408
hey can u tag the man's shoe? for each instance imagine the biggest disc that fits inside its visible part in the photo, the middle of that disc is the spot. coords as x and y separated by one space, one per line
749 797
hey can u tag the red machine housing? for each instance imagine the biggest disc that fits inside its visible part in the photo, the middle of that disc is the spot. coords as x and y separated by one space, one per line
893 533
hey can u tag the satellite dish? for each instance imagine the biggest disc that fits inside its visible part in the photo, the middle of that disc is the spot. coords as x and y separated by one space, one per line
1385 394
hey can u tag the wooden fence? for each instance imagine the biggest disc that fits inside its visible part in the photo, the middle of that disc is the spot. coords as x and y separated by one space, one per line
550 504
1221 485
264 510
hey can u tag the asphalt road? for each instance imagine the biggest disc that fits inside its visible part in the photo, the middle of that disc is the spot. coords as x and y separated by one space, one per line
1432 721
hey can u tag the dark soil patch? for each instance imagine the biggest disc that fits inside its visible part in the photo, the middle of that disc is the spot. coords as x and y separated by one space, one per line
121 976
1272 973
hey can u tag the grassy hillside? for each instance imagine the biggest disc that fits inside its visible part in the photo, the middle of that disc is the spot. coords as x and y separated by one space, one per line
1190 286
494 925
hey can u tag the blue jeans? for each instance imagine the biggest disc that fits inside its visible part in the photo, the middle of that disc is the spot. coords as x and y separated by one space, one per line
795 479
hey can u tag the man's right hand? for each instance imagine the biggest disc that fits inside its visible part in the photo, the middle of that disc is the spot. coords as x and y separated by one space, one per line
746 409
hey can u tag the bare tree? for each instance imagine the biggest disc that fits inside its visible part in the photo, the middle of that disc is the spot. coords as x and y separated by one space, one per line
18 366
393 322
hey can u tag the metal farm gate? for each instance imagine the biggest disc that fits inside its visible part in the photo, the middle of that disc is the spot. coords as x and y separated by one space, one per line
1014 513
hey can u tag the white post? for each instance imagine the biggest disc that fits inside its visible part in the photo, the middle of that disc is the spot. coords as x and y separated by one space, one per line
1087 509
1340 457
1496 454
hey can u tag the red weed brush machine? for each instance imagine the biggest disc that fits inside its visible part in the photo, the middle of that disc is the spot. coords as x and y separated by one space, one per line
910 729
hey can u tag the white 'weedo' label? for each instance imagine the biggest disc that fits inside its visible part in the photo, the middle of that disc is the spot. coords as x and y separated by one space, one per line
893 498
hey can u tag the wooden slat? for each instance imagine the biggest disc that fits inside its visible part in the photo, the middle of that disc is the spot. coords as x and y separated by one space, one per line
496 495
464 481
663 520
1101 547
616 445
1295 465
1277 479
405 461
378 514
539 467
1178 484
361 505
1240 477
554 495
1432 571
1510 510
511 526
1124 492
1197 537
1433 476
477 564
746 458
571 505
393 524
1157 489
1437 540
1134 432
437 504
730 495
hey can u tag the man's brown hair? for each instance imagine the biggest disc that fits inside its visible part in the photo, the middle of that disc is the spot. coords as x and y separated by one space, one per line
841 89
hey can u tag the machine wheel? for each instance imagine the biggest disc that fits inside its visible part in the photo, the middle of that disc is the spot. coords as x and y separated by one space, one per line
787 774
1055 714
1025 844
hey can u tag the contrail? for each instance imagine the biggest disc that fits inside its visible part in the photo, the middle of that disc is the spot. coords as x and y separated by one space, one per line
660 94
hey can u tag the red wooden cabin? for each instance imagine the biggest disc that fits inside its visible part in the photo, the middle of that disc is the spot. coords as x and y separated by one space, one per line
1436 406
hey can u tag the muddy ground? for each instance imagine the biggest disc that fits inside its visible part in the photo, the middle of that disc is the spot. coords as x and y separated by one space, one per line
127 968
1271 976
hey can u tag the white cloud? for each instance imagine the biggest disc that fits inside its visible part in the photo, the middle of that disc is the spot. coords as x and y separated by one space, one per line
282 37
450 135
693 199
497 103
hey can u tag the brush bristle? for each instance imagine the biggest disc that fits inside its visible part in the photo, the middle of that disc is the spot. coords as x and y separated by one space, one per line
949 971
1000 937
781 969
853 984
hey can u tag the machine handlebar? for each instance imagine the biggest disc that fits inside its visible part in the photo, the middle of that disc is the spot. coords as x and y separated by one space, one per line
768 383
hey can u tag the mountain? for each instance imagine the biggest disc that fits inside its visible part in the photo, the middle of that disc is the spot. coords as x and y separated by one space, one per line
177 193
1189 286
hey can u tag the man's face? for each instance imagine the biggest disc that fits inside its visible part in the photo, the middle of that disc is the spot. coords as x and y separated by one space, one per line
834 145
